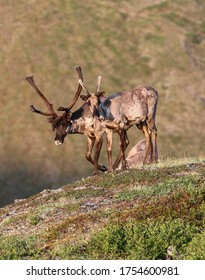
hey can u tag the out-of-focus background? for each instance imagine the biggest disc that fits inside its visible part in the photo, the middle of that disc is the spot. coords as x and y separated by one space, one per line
160 43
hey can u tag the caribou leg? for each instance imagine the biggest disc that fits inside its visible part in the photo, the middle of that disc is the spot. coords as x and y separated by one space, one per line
122 148
98 147
90 145
153 132
119 157
154 143
109 148
148 146
143 127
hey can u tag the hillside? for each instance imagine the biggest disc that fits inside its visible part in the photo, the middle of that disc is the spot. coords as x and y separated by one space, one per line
157 212
158 43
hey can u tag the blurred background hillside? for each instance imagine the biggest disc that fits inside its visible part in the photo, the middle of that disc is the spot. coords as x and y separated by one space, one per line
160 43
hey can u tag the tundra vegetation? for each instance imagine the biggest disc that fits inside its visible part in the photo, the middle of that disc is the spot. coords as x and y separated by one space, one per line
154 212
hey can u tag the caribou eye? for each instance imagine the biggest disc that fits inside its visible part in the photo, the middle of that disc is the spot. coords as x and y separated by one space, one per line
88 103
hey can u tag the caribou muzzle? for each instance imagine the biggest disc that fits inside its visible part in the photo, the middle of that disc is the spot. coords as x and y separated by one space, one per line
58 142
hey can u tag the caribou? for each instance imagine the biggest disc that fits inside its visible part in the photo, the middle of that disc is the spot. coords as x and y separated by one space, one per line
136 155
80 121
101 115
119 111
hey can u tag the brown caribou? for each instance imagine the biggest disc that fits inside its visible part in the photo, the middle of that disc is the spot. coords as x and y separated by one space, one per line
62 124
119 111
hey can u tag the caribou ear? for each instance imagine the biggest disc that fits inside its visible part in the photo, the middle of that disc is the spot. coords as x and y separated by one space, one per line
52 122
84 97
101 94
51 119
69 115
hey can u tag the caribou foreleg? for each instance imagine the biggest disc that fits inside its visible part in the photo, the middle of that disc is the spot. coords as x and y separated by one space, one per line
109 133
98 147
90 145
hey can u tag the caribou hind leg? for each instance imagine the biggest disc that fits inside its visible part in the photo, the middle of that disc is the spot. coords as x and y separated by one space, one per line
153 132
154 139
123 134
119 158
148 147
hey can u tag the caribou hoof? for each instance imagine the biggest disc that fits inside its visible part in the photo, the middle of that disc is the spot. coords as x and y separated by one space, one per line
146 163
95 174
124 165
103 168
109 170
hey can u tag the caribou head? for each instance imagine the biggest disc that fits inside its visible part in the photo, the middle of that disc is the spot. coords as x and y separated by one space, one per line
61 122
83 119
92 99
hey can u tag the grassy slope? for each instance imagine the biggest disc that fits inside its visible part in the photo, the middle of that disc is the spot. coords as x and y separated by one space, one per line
136 214
129 43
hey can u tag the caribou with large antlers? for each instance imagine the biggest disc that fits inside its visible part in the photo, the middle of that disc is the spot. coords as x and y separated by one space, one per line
98 115
57 122
62 124
119 111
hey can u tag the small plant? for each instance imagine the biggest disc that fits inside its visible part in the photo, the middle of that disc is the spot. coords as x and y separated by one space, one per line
135 240
196 248
16 248
35 219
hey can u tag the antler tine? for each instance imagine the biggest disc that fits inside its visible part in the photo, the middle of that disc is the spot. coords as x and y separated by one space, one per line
30 79
79 72
72 103
80 76
84 87
34 110
98 85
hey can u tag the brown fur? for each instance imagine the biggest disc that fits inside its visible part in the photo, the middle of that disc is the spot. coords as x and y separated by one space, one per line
136 154
118 112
